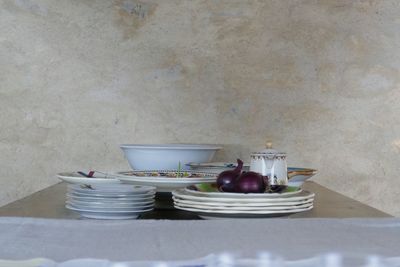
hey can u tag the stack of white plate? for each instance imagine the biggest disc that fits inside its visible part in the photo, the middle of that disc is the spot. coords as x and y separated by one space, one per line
211 205
115 201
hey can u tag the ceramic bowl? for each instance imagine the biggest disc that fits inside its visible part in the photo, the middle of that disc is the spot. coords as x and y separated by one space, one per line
167 156
297 176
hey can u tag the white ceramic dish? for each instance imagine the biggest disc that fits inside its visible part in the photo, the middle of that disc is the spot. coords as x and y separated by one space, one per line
107 215
241 195
167 156
108 196
76 178
303 195
108 205
242 208
297 176
219 216
216 167
161 186
243 204
207 213
110 209
149 175
164 184
123 198
112 189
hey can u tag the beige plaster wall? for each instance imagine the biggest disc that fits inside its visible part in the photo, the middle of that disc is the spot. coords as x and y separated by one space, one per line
319 78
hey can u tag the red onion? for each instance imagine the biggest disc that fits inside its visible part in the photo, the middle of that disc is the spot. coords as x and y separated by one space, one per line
226 179
250 182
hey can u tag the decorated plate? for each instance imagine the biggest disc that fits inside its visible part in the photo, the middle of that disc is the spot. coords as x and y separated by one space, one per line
167 175
166 180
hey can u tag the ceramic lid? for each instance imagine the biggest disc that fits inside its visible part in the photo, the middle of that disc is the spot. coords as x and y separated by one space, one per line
269 151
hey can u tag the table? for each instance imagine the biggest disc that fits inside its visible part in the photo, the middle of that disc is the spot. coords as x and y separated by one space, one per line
49 203
42 227
133 240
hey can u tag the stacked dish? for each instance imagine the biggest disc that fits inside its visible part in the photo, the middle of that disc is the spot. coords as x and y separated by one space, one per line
110 201
208 203
165 180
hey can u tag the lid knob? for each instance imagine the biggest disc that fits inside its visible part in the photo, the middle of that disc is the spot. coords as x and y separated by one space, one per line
268 145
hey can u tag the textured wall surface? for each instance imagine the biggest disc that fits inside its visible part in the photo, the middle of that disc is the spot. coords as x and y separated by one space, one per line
319 78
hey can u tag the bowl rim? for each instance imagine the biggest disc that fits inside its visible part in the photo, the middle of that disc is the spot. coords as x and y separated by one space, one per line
172 146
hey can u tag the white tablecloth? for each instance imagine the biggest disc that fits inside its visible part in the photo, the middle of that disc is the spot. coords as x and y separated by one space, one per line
132 240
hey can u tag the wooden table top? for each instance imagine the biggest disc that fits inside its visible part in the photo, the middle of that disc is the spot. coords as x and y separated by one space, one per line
50 203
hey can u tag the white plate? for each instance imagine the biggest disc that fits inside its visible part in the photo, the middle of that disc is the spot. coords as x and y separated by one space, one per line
241 195
100 194
112 209
106 205
111 200
228 165
241 214
165 184
181 193
161 187
76 178
107 215
236 204
112 189
172 181
141 176
111 196
219 216
175 181
242 208
216 167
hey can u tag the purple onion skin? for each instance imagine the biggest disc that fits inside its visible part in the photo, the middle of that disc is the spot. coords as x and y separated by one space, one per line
227 179
226 183
250 182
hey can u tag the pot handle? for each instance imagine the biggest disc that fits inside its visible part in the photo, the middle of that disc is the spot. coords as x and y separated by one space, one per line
301 172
